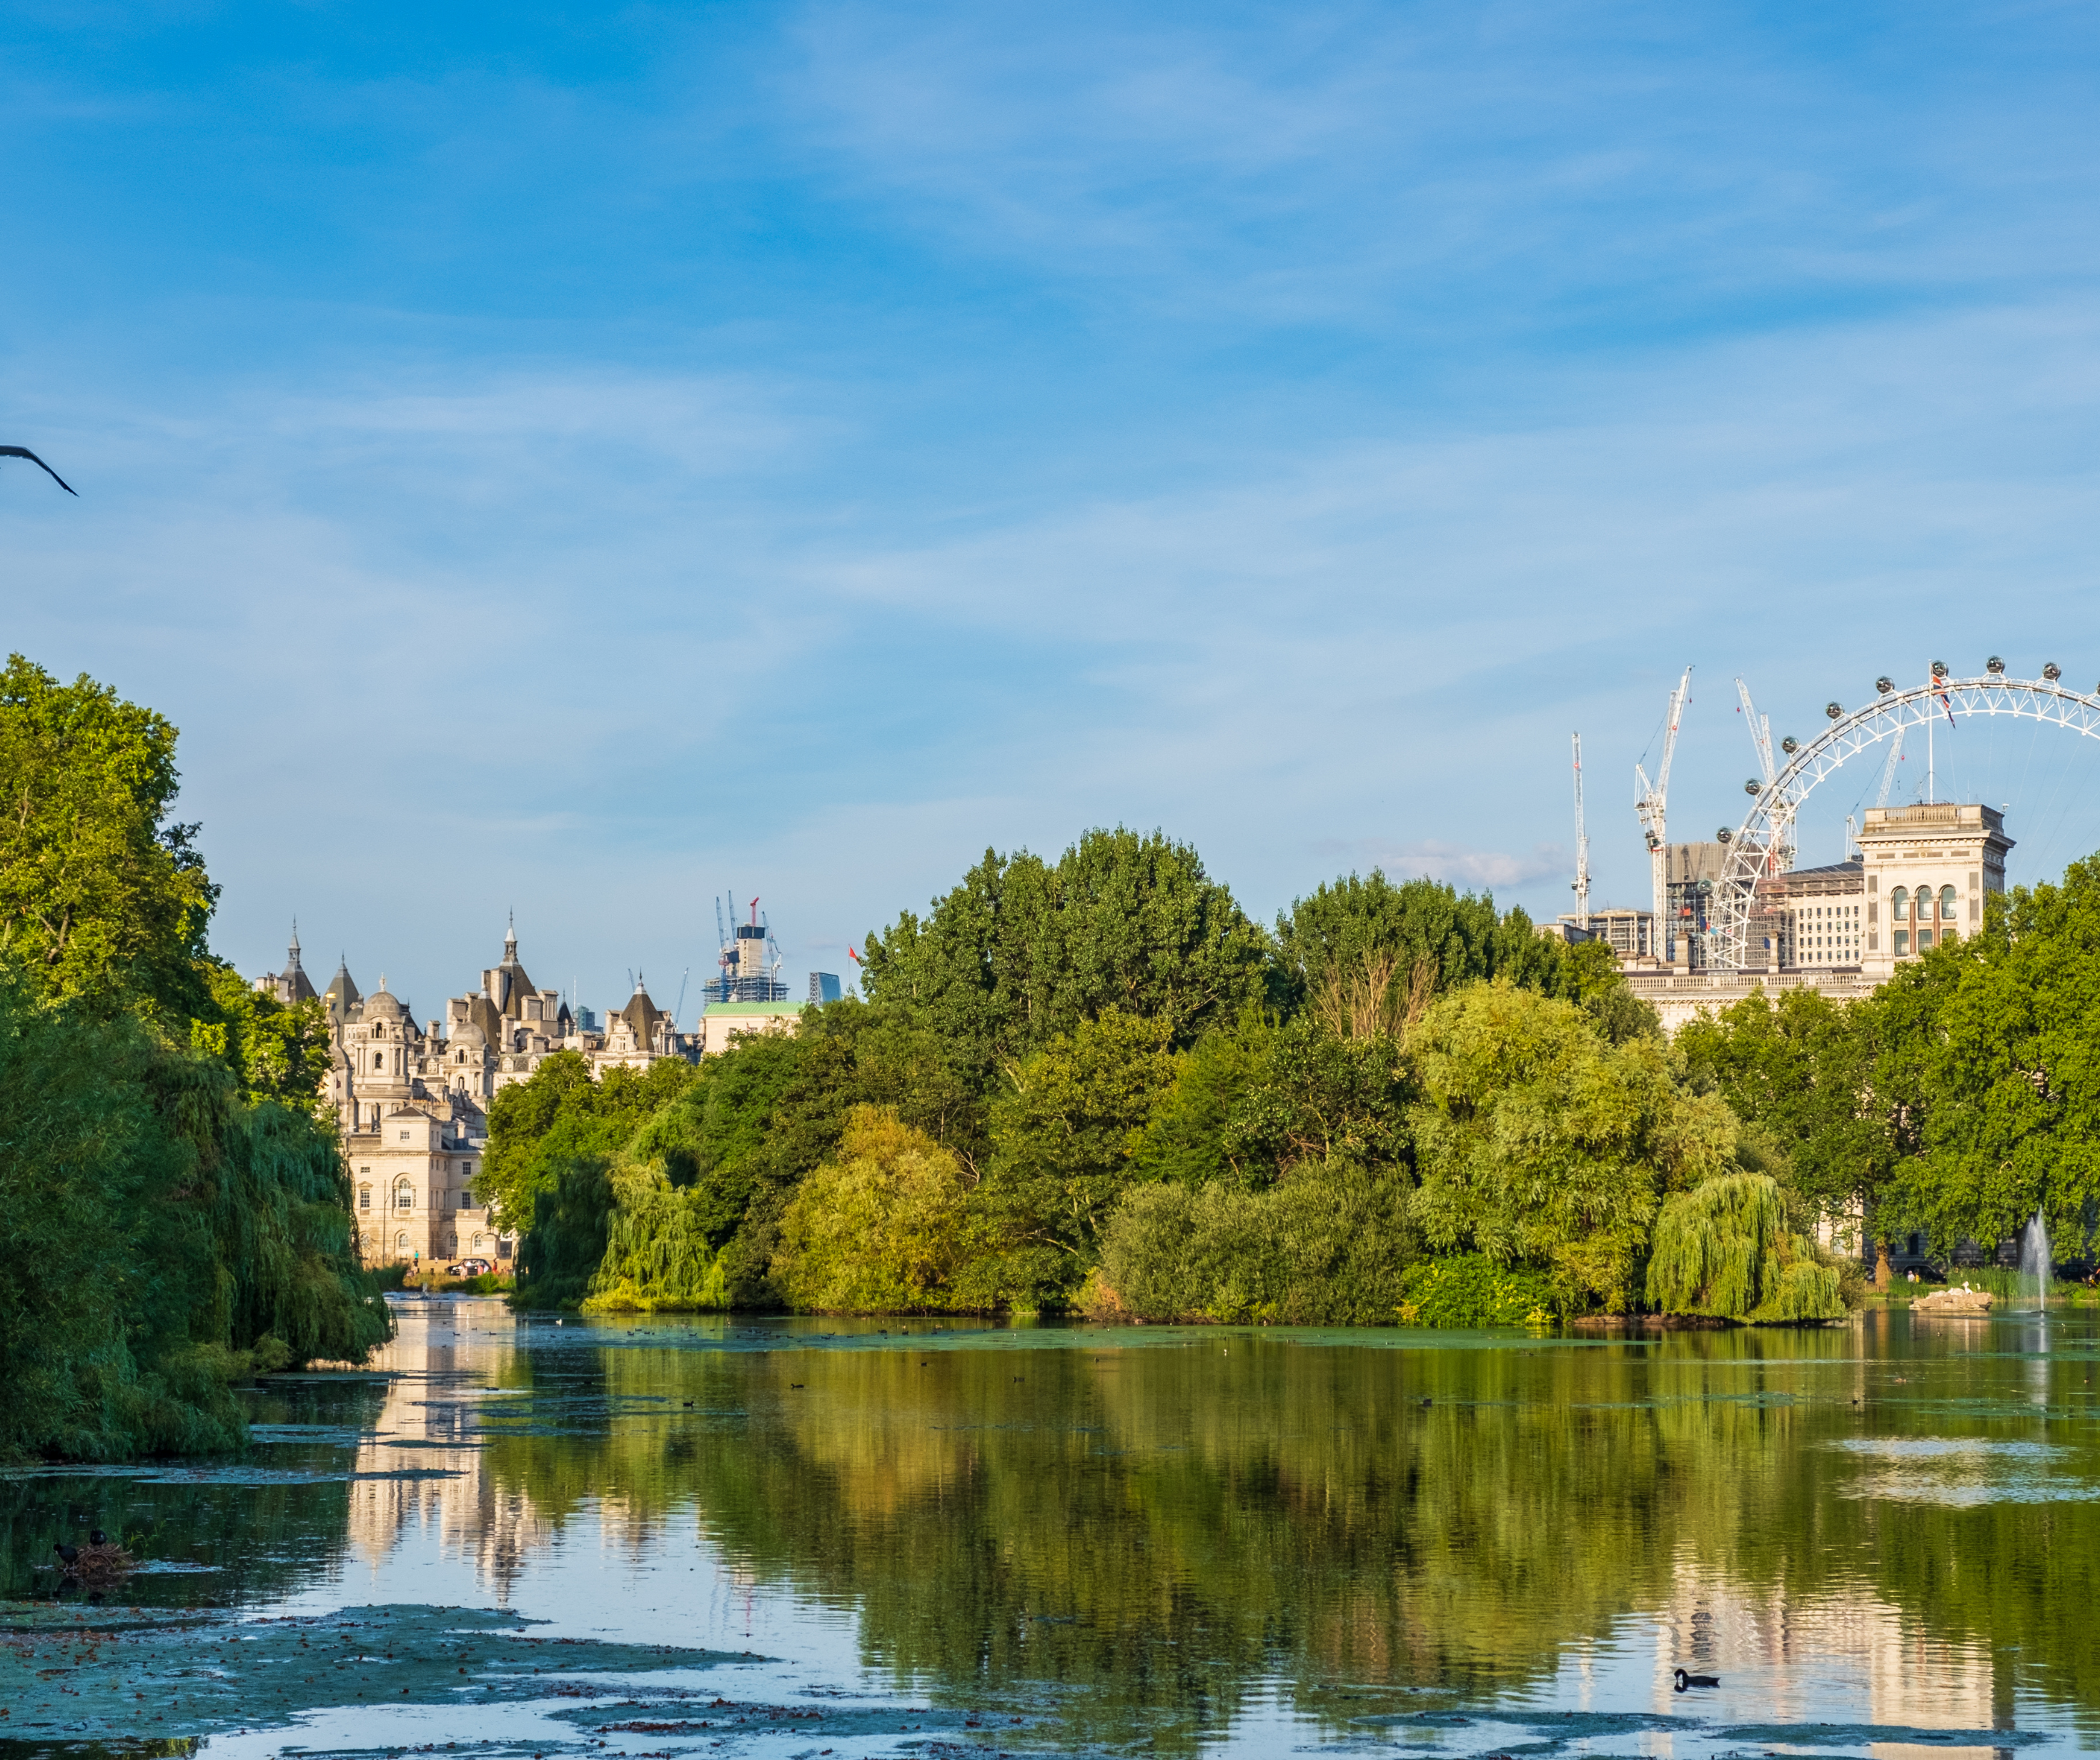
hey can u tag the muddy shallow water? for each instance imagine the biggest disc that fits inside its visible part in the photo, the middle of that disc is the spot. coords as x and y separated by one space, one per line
717 1536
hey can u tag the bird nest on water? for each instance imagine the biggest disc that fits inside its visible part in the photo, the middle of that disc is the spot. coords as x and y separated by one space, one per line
99 1561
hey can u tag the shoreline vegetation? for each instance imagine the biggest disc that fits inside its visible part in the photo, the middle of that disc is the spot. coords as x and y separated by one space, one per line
174 1213
1094 1087
1090 1086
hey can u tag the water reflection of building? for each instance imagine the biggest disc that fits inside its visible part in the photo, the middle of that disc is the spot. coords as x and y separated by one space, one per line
1822 1648
445 1351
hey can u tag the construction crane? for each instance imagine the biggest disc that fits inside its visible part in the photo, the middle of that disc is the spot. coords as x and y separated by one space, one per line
1650 801
1889 770
1582 848
1780 857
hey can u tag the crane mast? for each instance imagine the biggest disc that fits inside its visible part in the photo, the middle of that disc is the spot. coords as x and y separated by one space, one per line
1652 801
1582 847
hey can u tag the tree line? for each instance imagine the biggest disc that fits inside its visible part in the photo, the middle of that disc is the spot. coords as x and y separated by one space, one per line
174 1213
1094 1085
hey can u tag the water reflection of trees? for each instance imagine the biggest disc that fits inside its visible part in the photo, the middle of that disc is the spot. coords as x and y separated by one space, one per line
255 1540
1163 1526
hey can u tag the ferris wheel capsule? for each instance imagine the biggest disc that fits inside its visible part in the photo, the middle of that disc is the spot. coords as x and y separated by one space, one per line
1884 684
1995 666
1834 710
1725 835
2052 671
1790 745
1939 669
1754 786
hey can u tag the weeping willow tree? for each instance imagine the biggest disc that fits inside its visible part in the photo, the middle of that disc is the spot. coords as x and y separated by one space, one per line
660 1246
1726 1248
159 1238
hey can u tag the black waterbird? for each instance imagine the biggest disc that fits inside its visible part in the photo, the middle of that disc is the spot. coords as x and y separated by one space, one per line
15 451
1685 1680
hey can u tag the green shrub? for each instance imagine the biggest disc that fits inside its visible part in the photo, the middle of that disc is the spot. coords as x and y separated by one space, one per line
1471 1290
1326 1246
879 1230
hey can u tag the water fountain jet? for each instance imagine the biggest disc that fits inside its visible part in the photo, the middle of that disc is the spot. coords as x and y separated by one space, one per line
2035 1259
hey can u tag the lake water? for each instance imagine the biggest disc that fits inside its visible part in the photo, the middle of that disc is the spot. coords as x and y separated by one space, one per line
773 1539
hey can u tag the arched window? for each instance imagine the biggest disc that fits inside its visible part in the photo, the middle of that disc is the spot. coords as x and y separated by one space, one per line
462 1057
401 1241
379 1060
1947 903
1899 906
404 1196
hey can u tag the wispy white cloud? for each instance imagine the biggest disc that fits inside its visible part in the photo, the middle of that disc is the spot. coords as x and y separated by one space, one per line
1471 870
1453 168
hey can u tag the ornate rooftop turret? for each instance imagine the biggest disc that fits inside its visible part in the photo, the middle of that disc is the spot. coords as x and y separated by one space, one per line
343 998
507 986
291 985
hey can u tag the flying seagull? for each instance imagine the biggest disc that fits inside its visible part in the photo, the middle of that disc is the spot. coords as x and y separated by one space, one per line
8 451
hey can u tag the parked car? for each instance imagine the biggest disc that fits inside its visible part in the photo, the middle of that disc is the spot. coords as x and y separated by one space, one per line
470 1267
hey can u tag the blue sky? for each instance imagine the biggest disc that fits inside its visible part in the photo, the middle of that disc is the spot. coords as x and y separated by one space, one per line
578 460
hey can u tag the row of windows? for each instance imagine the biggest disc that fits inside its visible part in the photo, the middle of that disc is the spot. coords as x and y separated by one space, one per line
405 1197
1900 905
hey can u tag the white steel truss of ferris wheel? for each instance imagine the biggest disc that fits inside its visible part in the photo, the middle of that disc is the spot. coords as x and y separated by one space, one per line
1754 851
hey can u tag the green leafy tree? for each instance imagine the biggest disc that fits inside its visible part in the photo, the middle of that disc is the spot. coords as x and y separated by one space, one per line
1988 1072
102 895
1065 1147
275 1050
672 1191
1327 1246
1365 957
1023 951
1251 1102
1537 1141
159 1236
1801 1068
559 1118
882 1229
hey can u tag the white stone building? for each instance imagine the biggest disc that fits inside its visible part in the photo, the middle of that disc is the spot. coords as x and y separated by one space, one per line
412 1100
1920 880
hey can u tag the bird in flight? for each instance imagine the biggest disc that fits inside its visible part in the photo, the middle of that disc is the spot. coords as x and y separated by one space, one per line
8 451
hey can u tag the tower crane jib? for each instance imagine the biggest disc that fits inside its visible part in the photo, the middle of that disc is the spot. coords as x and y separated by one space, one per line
1582 847
1779 855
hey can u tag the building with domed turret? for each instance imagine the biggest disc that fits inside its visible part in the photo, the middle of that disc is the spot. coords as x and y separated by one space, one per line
412 1098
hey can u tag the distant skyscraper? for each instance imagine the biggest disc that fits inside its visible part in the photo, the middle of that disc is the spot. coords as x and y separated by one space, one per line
824 986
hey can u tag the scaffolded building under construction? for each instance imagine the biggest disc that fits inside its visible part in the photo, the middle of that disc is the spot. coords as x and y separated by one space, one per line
750 964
